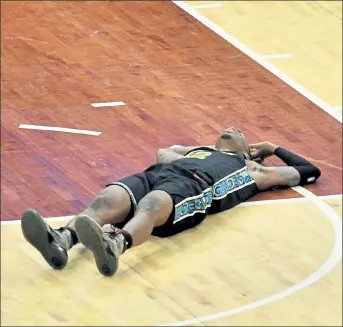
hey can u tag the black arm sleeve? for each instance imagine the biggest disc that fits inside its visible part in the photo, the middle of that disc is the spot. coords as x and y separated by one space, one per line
308 172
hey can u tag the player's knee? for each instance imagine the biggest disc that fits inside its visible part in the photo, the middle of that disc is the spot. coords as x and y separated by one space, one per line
157 205
110 198
102 201
113 193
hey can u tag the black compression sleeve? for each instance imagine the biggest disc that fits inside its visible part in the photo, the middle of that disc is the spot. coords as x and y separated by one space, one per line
291 159
308 172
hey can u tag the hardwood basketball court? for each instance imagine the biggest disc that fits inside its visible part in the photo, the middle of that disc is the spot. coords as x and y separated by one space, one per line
275 260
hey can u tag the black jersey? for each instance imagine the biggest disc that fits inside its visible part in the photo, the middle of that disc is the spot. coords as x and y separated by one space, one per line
225 172
205 181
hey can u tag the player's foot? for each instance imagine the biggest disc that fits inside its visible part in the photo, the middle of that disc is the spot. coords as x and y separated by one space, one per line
106 247
51 243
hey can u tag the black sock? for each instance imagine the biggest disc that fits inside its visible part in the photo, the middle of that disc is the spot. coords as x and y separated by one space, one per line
128 238
74 238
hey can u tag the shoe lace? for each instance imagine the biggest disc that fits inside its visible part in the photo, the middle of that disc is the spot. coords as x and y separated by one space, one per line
112 234
58 235
114 228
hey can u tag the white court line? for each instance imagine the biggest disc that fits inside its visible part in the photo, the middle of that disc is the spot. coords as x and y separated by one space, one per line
289 200
249 52
16 222
277 56
329 264
209 5
108 104
337 108
244 204
59 129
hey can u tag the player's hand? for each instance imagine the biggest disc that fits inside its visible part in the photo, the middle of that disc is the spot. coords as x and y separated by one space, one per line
261 151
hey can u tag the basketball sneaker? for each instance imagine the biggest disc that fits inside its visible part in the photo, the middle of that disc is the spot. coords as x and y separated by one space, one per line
51 243
106 246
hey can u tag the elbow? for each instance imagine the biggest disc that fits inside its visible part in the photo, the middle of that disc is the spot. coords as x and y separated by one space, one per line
311 175
316 172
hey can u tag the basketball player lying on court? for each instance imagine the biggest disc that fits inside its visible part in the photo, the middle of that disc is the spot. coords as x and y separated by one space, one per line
176 194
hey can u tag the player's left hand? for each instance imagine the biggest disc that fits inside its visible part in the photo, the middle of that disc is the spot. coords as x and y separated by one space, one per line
261 151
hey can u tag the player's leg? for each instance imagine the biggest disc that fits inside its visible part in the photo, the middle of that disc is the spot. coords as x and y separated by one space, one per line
152 211
111 205
158 213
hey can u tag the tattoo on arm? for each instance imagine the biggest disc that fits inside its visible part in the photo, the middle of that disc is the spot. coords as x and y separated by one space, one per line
260 169
290 175
268 177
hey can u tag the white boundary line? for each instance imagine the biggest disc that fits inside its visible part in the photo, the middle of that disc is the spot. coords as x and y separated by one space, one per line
335 221
16 222
242 47
289 200
244 204
59 129
329 264
108 104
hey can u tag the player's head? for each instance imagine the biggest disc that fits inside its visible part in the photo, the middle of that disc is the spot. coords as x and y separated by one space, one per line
233 140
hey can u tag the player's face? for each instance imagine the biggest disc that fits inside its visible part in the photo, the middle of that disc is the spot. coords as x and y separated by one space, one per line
234 140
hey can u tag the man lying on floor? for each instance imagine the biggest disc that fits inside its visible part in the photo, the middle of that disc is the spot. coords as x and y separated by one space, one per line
176 194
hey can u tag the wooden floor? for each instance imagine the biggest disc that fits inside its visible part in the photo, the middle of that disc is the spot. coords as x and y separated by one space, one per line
257 253
182 84
296 29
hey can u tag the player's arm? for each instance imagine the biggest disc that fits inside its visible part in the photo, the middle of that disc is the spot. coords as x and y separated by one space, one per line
173 153
298 171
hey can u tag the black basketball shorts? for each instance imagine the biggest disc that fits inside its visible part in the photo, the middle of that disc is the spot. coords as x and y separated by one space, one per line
191 195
